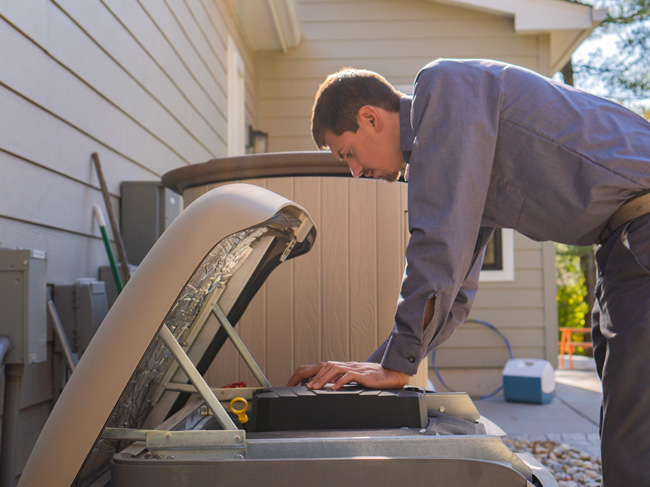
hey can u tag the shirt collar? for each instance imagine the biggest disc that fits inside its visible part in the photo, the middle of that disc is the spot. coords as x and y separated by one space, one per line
406 131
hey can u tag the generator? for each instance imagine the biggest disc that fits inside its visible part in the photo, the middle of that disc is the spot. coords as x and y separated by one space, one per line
137 410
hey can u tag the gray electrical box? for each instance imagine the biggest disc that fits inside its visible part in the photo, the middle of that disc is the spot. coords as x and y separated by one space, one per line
106 276
147 209
82 307
23 304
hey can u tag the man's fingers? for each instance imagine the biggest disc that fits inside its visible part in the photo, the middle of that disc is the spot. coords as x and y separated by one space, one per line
339 373
303 373
368 374
330 372
374 378
322 377
346 378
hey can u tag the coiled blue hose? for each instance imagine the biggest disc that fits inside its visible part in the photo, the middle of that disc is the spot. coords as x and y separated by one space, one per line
486 396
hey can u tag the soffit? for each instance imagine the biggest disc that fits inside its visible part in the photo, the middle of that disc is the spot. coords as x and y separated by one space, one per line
268 24
567 23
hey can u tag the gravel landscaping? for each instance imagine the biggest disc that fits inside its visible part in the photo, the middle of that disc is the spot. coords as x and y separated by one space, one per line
570 466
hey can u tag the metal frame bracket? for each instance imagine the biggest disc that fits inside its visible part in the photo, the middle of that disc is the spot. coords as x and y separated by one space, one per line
179 445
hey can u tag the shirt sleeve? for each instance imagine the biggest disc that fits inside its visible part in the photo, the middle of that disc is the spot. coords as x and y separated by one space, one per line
455 117
464 299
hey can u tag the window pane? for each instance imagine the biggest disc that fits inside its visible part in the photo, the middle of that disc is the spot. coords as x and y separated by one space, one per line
494 253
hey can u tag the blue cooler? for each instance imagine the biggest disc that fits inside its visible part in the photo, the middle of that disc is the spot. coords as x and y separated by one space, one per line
528 380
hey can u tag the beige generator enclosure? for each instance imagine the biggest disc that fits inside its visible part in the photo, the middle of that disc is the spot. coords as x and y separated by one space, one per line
338 302
137 410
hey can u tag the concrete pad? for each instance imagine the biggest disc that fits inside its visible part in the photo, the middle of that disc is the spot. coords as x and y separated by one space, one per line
574 409
534 419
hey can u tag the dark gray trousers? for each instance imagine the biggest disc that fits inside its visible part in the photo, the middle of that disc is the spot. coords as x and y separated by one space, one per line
621 335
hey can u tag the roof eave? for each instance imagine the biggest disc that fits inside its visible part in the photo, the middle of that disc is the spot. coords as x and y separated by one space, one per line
567 23
268 24
565 42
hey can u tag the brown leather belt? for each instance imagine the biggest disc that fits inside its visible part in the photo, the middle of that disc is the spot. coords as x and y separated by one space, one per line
634 208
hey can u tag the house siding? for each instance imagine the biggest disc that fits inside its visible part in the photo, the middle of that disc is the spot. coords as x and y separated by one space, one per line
142 83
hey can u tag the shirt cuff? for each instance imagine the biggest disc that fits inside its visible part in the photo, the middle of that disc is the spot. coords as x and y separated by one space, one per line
402 354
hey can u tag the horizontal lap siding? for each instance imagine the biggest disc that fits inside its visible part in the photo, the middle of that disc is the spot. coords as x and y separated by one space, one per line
396 39
142 83
82 77
393 38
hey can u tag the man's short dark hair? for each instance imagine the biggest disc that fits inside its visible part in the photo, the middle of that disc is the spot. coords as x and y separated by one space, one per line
340 97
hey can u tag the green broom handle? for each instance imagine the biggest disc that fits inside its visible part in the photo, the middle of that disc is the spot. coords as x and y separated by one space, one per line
102 227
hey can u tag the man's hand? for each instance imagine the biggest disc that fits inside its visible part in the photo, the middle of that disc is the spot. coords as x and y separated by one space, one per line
368 374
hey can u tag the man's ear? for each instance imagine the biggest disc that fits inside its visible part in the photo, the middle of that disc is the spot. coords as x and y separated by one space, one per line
371 117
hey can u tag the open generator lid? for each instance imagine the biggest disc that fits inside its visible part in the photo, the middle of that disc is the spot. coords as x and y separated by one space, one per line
212 259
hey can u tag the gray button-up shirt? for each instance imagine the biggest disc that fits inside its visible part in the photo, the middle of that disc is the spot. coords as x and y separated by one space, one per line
494 145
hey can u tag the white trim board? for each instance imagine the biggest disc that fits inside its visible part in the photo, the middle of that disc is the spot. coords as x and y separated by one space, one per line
508 259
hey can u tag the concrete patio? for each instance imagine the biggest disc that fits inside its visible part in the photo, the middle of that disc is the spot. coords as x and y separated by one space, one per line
571 417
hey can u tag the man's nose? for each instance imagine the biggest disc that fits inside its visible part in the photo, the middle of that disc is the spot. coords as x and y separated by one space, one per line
355 169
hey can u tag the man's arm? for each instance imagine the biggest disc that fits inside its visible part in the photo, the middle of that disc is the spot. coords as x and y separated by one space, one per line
464 299
455 118
372 374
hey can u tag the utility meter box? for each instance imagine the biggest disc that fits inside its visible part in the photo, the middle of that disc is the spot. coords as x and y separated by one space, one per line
23 304
82 307
528 380
147 209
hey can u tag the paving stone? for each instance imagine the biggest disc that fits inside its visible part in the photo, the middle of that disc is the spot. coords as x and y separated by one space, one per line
574 436
570 465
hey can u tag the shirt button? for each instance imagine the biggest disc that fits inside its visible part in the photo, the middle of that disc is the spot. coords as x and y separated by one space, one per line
411 359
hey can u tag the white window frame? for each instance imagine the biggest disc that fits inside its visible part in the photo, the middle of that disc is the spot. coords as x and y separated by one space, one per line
507 273
236 101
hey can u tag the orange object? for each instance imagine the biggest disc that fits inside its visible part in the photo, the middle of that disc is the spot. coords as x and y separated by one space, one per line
568 346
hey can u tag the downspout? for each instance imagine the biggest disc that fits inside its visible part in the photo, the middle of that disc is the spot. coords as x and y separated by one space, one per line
13 378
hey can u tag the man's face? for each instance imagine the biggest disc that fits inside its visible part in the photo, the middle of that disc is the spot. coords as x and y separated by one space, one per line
373 150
